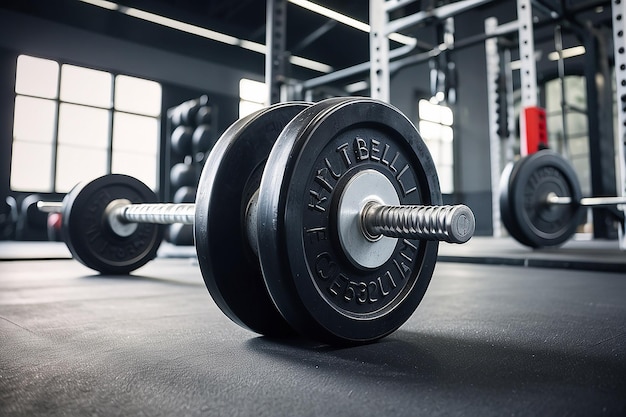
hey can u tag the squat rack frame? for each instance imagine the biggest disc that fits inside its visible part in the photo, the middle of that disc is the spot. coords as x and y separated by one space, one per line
383 61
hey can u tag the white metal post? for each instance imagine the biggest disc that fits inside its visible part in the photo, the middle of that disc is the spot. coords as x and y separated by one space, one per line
618 8
275 58
510 107
493 72
528 71
379 51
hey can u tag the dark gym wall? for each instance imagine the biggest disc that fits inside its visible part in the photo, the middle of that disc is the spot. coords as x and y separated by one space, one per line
472 158
49 39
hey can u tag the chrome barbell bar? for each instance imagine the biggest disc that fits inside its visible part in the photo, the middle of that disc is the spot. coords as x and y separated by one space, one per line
552 198
449 223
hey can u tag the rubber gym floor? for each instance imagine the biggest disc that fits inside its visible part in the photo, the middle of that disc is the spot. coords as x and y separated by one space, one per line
503 330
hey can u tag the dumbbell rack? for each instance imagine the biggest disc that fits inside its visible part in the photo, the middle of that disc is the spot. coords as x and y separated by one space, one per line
185 114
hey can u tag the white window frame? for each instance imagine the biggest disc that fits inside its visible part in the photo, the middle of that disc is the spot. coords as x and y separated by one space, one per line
42 182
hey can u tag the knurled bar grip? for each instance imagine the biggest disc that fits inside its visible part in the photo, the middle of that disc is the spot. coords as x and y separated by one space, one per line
454 224
163 213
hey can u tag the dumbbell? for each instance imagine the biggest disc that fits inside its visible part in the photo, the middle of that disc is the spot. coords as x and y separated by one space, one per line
324 219
541 202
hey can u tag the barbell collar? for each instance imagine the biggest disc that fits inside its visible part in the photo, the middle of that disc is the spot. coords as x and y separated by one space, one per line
552 198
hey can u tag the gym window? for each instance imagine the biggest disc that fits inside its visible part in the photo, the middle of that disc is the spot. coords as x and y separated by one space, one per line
74 124
571 140
435 126
252 96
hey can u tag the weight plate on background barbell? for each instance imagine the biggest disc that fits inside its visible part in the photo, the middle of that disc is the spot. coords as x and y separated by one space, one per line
506 212
89 237
231 176
321 291
529 218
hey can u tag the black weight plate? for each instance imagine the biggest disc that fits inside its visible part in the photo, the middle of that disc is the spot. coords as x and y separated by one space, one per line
506 209
537 223
88 235
317 289
230 177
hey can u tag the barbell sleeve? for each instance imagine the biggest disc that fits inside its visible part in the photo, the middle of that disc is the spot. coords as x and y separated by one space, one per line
602 201
50 206
449 223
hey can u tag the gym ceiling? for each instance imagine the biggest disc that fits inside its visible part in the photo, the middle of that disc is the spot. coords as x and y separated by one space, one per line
309 35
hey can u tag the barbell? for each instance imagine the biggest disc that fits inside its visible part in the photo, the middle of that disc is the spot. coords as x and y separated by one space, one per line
541 202
324 219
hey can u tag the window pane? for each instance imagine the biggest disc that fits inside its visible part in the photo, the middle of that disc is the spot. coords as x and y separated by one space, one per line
142 167
247 107
445 157
555 127
576 124
34 119
75 164
36 77
86 86
250 90
430 130
135 133
137 96
433 146
445 114
135 147
446 180
575 91
31 167
579 146
553 96
446 134
435 112
435 131
86 126
581 166
439 140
